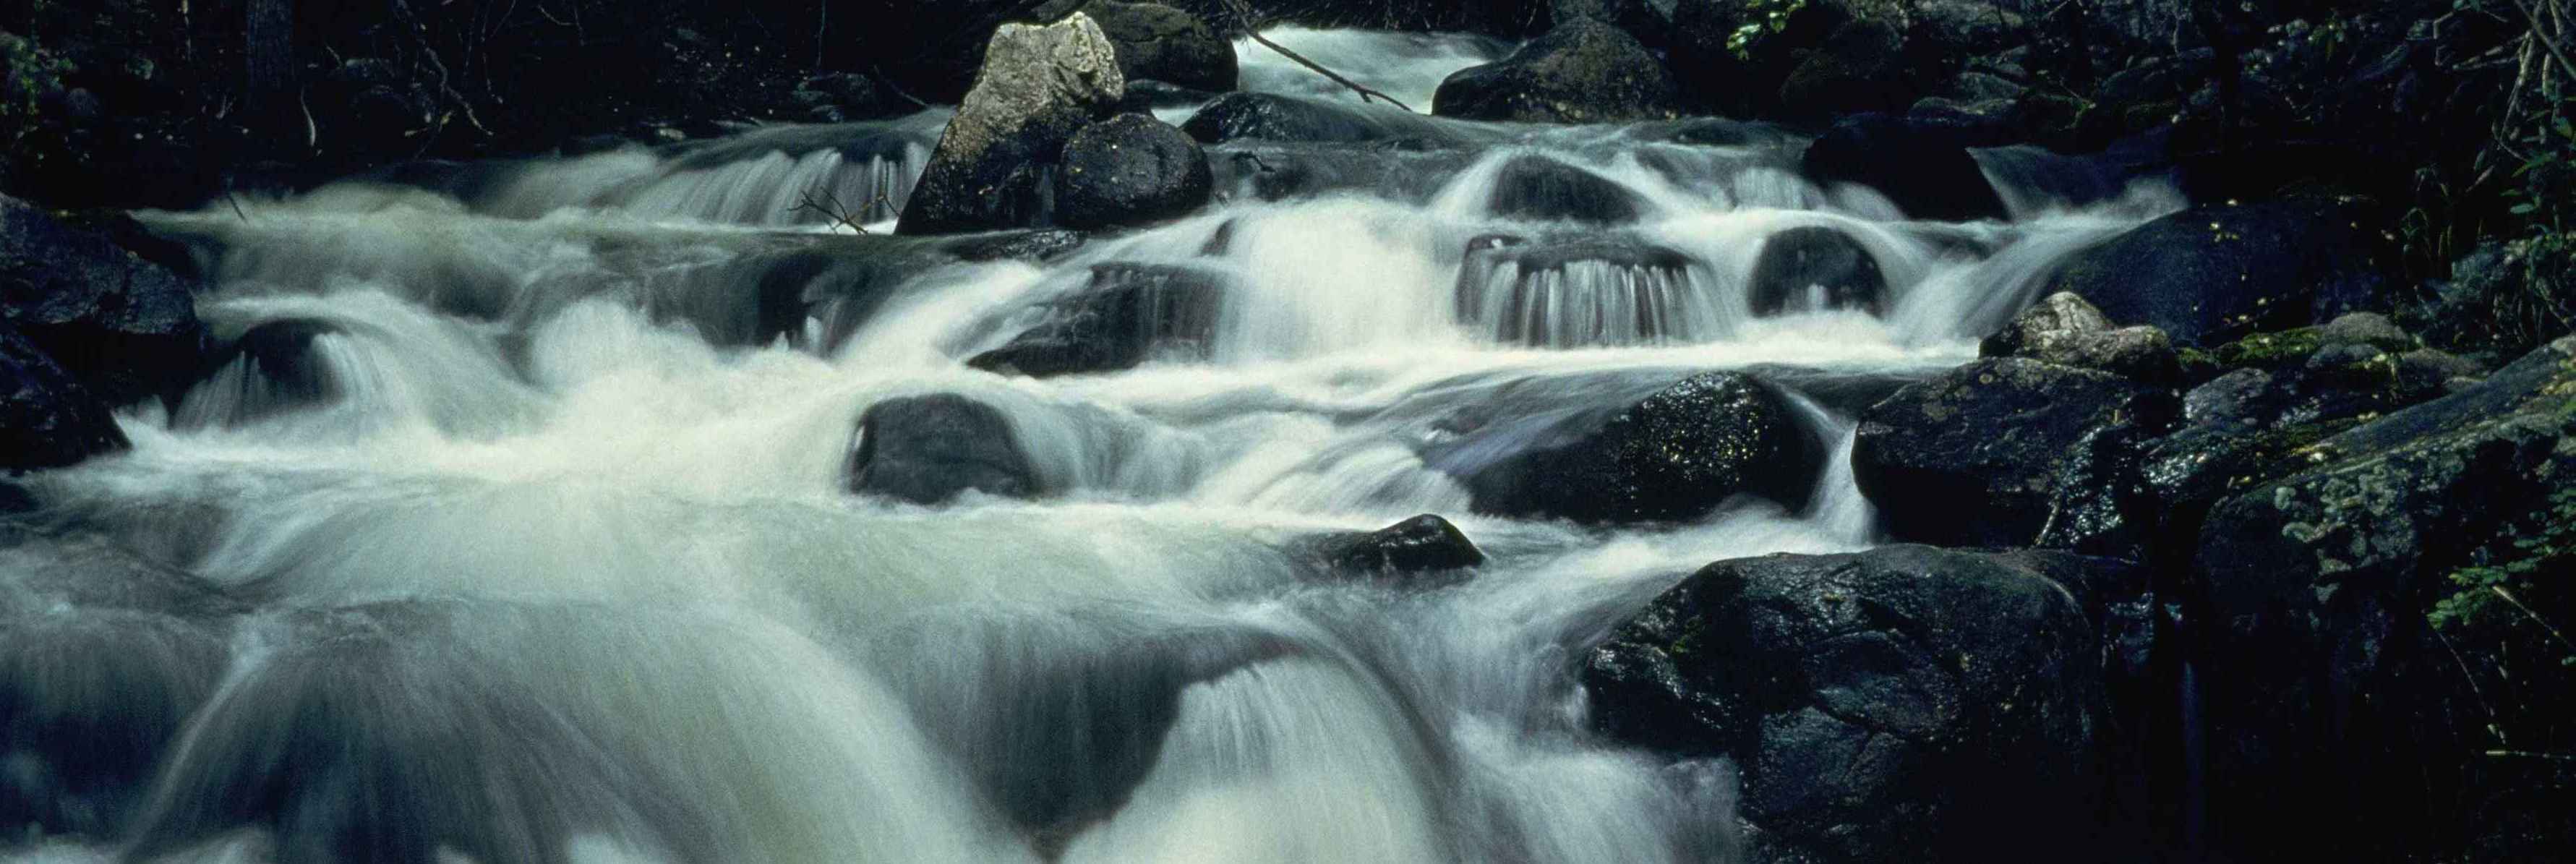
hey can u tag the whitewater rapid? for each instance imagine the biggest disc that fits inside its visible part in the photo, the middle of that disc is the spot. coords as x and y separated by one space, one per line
562 565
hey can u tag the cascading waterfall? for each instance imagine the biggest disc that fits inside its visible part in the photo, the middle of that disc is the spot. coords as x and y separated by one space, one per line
515 526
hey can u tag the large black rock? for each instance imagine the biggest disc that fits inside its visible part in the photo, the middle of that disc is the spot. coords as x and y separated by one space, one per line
47 420
1425 544
2333 687
1130 170
929 449
1923 167
2012 452
124 327
1799 263
1585 71
1161 43
1129 313
2211 274
1858 690
1674 455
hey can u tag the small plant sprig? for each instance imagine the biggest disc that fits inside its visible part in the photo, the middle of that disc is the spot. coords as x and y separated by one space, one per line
1763 18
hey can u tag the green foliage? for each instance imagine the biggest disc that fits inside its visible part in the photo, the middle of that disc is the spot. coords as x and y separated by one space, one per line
1762 18
2491 595
30 75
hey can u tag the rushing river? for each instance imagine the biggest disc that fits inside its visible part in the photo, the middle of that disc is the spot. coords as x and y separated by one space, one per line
533 541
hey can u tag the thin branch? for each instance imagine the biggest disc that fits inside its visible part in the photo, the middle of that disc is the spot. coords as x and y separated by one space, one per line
2540 31
830 208
1251 22
1366 94
2535 616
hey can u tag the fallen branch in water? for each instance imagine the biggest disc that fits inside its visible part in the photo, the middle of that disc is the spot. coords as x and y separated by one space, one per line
1250 23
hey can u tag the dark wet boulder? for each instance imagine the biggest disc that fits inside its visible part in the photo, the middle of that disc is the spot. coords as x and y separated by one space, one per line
1161 43
1130 170
1425 544
1584 71
1537 187
2318 585
124 327
1673 456
841 97
2013 452
1274 117
1860 66
1650 21
1128 314
47 420
2211 274
929 449
997 159
1856 690
1570 292
2063 329
1923 167
1815 268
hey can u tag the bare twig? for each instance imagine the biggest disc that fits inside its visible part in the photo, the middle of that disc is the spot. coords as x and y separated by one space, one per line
2535 616
830 208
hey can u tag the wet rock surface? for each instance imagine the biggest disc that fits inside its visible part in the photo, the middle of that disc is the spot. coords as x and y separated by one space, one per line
2013 452
1856 689
930 449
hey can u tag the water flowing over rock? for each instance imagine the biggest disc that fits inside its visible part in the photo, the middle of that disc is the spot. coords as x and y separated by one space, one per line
1856 690
1536 187
2210 274
1675 455
995 164
1130 170
1583 72
1273 117
929 449
2012 452
1565 293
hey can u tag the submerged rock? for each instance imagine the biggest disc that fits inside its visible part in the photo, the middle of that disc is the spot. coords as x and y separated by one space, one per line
1856 691
1537 187
1290 119
2212 274
996 160
1802 266
1584 71
2012 452
270 368
1424 544
929 449
1130 313
1130 170
47 420
124 327
1673 456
